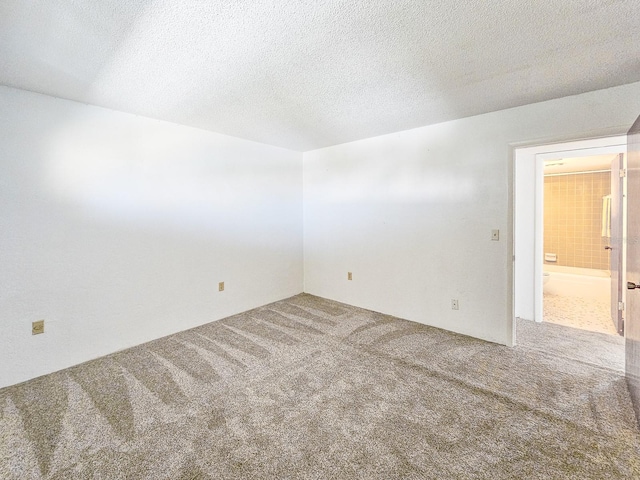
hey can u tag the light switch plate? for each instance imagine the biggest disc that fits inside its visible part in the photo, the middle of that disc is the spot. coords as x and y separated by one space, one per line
221 287
495 235
349 276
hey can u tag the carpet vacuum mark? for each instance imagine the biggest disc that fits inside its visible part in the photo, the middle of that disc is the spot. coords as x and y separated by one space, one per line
310 388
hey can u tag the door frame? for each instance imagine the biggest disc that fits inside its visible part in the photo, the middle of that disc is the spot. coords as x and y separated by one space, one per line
618 241
527 162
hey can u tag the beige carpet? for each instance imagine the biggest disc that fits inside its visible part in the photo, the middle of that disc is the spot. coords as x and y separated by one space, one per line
595 349
312 389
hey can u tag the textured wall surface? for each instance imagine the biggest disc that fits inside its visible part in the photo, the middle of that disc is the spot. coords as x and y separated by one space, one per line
411 213
308 74
117 229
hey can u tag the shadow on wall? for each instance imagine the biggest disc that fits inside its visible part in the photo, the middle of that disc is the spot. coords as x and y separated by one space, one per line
116 230
160 176
395 172
71 48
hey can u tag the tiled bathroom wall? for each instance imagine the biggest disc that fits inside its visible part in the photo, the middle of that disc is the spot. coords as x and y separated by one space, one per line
573 219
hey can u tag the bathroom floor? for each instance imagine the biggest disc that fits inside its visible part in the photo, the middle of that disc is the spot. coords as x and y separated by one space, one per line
578 312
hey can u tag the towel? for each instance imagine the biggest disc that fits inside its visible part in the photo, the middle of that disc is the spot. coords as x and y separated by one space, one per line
606 216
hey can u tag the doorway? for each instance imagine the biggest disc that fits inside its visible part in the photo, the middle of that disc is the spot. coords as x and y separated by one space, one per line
577 243
529 244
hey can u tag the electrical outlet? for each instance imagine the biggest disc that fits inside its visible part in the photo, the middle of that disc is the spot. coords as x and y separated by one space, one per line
221 287
349 276
455 305
37 327
495 235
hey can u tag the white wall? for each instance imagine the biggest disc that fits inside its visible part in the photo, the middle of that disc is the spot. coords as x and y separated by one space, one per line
411 213
116 230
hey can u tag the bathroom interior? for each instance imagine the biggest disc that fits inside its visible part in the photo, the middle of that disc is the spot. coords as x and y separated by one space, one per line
577 243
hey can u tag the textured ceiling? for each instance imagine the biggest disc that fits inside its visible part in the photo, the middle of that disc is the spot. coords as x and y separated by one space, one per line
308 74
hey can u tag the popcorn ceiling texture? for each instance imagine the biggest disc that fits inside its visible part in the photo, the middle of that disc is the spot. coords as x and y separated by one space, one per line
308 74
308 388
